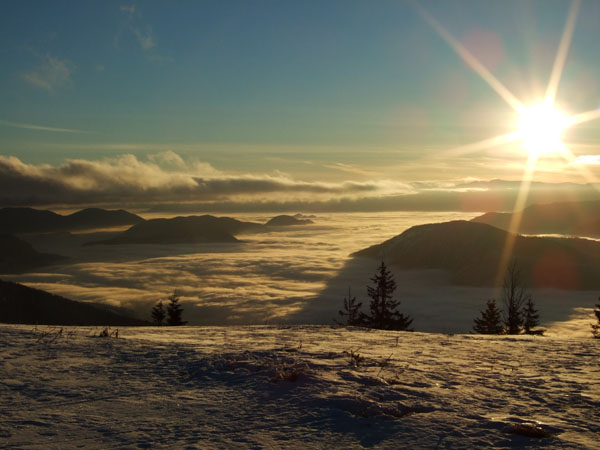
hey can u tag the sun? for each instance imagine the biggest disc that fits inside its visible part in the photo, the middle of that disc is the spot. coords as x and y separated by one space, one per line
540 128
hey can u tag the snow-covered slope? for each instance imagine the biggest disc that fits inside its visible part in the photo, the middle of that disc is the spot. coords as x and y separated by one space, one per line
294 387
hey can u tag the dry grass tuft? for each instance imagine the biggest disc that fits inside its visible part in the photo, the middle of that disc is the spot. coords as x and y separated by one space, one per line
288 372
355 359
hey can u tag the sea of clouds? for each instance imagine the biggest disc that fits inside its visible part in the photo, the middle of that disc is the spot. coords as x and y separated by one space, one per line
289 275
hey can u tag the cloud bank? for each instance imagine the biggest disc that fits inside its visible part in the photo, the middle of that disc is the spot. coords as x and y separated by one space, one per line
166 182
164 177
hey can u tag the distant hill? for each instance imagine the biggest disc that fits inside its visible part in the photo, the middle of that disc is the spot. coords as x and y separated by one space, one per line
18 256
470 253
29 220
101 218
569 218
285 220
181 230
25 305
26 220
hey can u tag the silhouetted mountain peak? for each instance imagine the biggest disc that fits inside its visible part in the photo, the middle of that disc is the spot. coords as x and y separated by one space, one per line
25 220
98 218
29 220
180 230
286 220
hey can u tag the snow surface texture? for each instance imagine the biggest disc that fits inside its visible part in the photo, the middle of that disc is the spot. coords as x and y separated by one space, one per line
294 387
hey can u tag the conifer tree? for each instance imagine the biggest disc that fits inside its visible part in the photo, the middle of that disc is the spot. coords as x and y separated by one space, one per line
596 326
158 313
174 311
490 321
351 314
383 306
531 317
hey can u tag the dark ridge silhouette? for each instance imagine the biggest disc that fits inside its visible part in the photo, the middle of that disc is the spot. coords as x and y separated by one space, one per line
101 218
25 305
569 218
285 220
29 220
18 256
26 220
183 230
470 252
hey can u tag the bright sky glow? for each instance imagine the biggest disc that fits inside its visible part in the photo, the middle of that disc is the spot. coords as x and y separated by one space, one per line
427 95
540 125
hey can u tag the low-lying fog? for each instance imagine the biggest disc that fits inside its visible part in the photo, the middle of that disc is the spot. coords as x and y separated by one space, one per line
292 274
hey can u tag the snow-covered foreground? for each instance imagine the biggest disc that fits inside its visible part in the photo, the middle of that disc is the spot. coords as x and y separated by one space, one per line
294 387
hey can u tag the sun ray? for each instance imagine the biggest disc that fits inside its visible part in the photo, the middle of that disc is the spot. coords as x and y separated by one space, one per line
468 58
520 204
579 118
561 54
515 220
483 144
566 153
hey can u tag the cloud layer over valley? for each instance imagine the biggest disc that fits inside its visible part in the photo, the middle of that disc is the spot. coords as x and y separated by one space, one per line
296 274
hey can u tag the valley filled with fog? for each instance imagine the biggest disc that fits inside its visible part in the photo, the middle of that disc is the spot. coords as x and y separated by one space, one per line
294 274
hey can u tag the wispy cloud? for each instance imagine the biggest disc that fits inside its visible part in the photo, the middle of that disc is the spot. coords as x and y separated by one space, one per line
592 160
142 33
349 169
129 9
51 74
29 126
146 40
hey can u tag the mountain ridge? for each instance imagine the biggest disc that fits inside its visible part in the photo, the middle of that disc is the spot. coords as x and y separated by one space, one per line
182 230
17 256
284 220
29 220
470 252
567 218
24 305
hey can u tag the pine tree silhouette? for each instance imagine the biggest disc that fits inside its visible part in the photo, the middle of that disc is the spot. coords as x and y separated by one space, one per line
158 313
174 311
490 321
513 297
383 307
596 326
531 317
351 314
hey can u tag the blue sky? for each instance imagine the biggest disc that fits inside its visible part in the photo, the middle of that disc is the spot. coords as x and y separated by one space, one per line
290 86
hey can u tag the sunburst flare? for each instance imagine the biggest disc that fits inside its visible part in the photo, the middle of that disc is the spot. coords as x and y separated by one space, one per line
540 126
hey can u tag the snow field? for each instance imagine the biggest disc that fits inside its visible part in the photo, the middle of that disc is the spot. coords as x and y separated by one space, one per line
294 387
